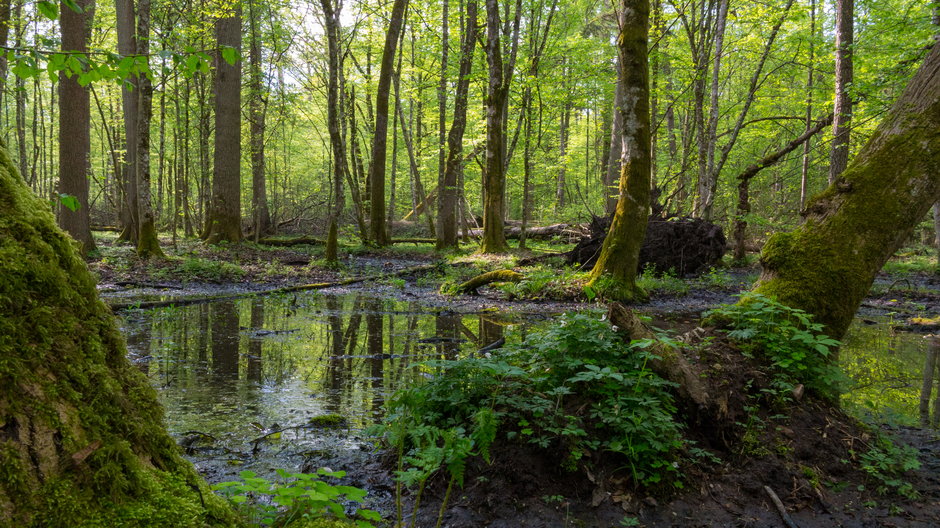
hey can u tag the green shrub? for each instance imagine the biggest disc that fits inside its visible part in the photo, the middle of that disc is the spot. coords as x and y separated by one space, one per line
788 338
575 387
295 499
885 462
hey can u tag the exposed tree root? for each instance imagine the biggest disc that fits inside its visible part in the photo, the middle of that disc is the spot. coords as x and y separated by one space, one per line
473 284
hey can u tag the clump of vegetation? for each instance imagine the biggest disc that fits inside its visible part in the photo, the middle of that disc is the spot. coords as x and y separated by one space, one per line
296 499
200 269
328 420
547 282
787 337
886 462
575 390
666 282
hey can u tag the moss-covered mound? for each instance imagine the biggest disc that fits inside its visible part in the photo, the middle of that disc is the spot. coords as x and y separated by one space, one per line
82 440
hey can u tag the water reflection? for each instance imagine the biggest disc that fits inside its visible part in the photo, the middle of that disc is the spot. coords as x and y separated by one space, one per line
235 371
895 372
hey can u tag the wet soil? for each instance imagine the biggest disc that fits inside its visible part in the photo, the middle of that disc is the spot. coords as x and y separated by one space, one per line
808 459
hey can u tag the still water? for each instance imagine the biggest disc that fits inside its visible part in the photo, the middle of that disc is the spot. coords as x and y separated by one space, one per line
242 380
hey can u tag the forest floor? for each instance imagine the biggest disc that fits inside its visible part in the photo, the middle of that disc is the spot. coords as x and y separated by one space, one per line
810 458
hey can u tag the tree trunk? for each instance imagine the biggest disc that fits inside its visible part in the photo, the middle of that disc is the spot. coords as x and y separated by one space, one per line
5 10
827 265
448 190
223 221
614 274
260 216
494 177
75 128
706 161
442 112
616 147
331 21
127 46
811 70
839 155
377 226
147 243
563 126
82 429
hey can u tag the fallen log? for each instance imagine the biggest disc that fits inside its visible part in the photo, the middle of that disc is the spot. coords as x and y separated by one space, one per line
184 301
681 245
413 241
549 231
483 279
671 365
287 242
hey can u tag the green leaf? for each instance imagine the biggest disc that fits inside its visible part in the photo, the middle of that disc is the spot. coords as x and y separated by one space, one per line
230 55
73 6
49 10
70 202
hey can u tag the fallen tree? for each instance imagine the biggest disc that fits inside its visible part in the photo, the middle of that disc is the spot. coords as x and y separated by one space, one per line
681 245
82 440
827 265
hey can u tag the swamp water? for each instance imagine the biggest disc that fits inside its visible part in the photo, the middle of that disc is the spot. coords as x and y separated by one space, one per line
291 381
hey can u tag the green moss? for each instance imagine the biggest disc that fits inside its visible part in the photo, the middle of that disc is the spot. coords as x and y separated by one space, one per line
615 289
98 453
328 420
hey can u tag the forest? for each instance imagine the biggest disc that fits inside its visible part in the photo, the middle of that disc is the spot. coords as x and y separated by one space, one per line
508 263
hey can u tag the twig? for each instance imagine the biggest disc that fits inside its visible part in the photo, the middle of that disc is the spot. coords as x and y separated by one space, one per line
780 509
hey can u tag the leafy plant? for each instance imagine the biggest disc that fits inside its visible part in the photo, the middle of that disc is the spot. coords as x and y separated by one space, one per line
886 462
665 282
293 497
789 338
576 387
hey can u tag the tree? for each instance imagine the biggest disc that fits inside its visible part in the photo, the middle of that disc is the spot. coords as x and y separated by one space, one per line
494 176
331 21
377 225
257 110
127 46
614 274
447 192
827 265
147 243
83 436
75 129
839 155
223 221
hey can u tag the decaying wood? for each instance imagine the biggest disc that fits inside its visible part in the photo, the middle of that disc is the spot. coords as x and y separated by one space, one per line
549 231
671 365
287 242
780 508
473 284
286 289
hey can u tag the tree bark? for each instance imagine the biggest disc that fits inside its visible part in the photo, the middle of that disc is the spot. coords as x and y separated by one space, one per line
331 22
377 225
839 155
75 128
260 216
442 123
614 274
147 243
127 46
827 265
811 70
80 423
494 177
616 147
447 191
223 222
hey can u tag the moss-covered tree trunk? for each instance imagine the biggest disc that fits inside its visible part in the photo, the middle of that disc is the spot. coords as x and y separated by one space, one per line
614 274
494 178
82 440
827 265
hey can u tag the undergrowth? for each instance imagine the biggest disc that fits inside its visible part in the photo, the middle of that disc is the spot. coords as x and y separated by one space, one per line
296 499
789 339
575 390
